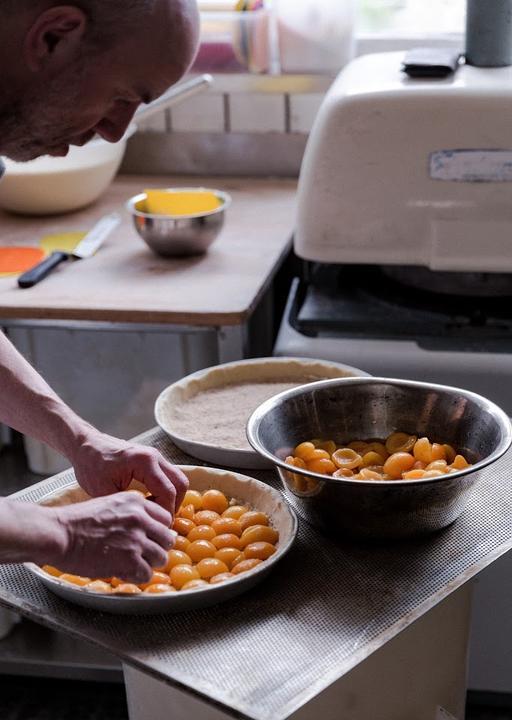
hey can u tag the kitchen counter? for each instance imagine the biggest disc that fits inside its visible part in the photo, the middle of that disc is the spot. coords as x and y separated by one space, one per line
340 629
126 283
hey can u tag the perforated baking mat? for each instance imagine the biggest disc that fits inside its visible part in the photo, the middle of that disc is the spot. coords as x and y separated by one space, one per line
327 606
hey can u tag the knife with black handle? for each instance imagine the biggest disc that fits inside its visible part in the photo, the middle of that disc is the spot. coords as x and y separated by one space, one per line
85 248
41 270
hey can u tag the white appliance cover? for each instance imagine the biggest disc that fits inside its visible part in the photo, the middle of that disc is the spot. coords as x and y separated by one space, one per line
410 172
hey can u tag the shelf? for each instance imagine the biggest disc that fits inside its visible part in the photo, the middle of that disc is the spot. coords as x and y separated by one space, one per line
31 649
282 84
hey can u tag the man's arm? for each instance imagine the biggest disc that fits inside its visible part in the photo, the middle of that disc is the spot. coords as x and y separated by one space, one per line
103 464
122 535
28 404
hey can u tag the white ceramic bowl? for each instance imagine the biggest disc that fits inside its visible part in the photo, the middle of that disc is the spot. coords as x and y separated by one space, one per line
242 371
245 489
50 185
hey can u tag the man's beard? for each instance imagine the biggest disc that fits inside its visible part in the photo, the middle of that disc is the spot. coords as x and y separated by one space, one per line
22 136
42 121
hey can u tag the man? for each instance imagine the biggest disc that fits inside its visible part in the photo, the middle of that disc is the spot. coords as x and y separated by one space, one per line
69 72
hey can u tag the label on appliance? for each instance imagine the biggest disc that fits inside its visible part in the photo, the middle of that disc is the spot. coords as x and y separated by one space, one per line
472 166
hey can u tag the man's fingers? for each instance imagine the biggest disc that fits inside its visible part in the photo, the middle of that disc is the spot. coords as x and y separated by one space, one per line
157 512
141 572
154 555
165 481
160 534
177 478
168 484
160 487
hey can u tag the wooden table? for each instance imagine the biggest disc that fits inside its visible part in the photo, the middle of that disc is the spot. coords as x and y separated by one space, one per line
125 282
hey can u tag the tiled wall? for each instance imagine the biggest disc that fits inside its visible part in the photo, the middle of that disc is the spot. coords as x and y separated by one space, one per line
239 112
227 132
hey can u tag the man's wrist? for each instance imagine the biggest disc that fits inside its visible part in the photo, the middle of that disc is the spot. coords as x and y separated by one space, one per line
52 542
70 432
30 533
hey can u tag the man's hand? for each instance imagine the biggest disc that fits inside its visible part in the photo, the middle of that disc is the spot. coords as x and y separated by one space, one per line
122 535
104 465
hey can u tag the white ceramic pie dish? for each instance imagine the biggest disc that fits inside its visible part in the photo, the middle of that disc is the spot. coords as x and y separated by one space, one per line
243 371
245 489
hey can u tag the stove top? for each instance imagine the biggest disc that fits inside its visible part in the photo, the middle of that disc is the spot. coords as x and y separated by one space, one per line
397 302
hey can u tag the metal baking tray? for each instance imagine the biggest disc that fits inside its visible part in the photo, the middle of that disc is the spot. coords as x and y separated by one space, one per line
327 607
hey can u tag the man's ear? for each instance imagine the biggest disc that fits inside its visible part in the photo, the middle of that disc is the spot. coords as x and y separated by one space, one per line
54 37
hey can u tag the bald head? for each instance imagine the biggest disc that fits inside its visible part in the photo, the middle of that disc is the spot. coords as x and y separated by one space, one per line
85 67
110 20
107 19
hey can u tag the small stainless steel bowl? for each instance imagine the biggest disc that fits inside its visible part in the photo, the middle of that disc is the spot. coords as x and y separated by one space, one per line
178 235
365 408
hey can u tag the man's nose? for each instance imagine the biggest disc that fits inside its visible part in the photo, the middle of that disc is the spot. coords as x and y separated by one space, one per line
113 126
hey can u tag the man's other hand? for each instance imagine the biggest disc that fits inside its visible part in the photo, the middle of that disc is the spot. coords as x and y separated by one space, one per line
104 465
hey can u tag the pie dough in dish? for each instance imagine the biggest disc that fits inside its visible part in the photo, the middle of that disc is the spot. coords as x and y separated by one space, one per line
205 414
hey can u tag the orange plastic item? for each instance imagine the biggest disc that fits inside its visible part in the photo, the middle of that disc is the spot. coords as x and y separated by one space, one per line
15 260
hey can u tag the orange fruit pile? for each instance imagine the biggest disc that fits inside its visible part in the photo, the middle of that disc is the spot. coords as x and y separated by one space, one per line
400 456
218 539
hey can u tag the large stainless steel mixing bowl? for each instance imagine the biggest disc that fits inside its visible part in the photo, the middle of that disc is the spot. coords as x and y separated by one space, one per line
366 408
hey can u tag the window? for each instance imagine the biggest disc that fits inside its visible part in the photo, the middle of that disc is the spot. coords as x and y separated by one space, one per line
411 17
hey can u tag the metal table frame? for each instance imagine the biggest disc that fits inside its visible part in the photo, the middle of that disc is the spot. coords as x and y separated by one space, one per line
232 340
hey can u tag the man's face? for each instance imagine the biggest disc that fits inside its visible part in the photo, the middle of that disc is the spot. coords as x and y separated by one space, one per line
98 93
